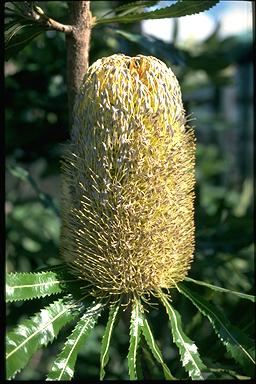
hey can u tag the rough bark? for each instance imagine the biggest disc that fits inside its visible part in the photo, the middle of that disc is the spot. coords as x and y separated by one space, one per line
77 42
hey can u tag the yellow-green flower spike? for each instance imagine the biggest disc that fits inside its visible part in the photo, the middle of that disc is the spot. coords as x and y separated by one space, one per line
128 179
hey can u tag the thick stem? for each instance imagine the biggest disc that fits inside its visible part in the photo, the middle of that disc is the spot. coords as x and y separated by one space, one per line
78 42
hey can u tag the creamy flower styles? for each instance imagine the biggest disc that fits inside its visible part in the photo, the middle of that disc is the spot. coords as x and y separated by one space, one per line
128 179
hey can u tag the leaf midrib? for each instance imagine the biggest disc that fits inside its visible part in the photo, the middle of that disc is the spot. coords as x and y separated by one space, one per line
73 347
136 338
110 334
201 377
41 284
153 341
42 328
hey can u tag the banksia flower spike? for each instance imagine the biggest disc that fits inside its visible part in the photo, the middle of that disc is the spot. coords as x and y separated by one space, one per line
128 179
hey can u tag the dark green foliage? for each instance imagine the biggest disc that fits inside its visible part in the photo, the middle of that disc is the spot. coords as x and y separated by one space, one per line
43 327
36 332
152 46
189 355
147 332
237 343
16 42
63 366
104 357
19 30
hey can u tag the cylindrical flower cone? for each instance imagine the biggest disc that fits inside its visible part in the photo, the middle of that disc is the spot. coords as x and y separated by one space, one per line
128 179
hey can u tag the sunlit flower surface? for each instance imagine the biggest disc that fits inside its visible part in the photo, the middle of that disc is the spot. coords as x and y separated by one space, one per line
128 179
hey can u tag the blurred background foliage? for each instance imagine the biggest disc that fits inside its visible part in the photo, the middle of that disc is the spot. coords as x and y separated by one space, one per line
216 81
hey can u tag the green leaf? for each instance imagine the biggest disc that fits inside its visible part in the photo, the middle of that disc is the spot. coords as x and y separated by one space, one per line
135 6
125 9
36 332
104 355
20 38
180 8
20 27
155 350
135 333
220 289
63 366
25 286
13 28
237 343
190 357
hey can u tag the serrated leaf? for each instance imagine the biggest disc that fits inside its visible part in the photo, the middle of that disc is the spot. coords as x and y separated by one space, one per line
36 332
63 366
189 355
25 286
236 342
104 355
179 9
220 289
135 333
155 350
